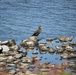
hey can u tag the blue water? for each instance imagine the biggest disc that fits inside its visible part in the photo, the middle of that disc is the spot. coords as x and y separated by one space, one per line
20 18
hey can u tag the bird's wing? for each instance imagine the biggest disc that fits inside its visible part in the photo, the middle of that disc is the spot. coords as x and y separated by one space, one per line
36 32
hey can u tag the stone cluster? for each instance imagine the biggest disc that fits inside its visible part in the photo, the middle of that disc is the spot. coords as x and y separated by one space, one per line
15 61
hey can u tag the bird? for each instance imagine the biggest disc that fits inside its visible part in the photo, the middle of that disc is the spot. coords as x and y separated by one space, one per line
38 31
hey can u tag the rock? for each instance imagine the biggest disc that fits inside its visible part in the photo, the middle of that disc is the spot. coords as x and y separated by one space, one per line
43 48
2 63
15 62
2 59
15 47
2 55
47 63
42 44
28 43
51 50
28 72
34 38
72 64
20 51
69 48
44 70
11 42
62 39
11 53
10 65
10 59
25 65
32 66
64 44
72 43
12 72
5 48
24 51
30 48
17 56
3 42
42 52
65 39
37 59
26 59
34 52
50 39
65 56
72 55
59 49
70 38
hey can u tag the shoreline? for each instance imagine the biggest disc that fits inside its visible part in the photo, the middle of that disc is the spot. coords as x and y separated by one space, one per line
11 55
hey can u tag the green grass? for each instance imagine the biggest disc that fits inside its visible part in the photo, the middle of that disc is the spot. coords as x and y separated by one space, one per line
66 74
55 74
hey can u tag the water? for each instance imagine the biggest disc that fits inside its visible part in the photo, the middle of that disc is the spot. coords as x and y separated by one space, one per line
20 18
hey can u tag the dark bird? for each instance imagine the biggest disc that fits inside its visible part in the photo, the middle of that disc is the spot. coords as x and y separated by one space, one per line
37 32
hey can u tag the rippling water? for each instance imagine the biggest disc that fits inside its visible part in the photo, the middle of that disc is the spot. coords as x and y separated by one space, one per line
20 18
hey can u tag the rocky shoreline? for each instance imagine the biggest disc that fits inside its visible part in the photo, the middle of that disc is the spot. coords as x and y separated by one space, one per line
14 60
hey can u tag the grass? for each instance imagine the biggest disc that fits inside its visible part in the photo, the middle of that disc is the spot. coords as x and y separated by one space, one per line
55 74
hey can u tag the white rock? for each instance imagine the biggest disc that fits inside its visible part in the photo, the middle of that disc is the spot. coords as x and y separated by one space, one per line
5 48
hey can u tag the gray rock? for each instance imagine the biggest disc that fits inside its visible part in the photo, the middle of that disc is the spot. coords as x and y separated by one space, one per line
43 48
25 65
26 59
50 39
65 56
44 70
10 65
72 64
15 47
69 48
2 55
43 52
17 56
2 59
15 62
59 49
3 42
12 53
34 52
2 63
10 59
51 50
28 43
11 72
11 42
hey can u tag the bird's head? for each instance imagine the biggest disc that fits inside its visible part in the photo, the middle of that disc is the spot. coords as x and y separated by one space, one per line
40 27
